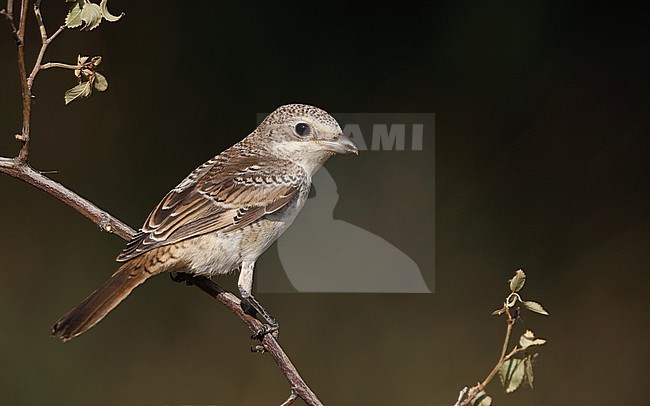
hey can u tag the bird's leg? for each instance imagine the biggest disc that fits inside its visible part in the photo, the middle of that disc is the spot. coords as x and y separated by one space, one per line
245 285
271 325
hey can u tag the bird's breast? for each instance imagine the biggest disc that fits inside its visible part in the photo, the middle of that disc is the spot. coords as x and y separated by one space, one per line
222 252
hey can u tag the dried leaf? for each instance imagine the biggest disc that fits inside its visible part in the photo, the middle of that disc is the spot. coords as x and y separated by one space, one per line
96 60
528 366
518 281
534 307
482 399
73 19
91 14
82 90
101 83
511 374
528 340
107 15
499 312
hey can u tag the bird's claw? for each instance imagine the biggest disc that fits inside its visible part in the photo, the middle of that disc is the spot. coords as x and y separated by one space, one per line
273 329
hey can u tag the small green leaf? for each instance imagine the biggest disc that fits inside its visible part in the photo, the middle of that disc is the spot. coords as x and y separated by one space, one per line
528 340
534 307
73 19
107 15
512 374
528 366
101 83
482 399
91 14
82 90
518 281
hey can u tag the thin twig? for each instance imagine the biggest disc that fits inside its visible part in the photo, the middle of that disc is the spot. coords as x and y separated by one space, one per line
9 15
290 401
39 19
45 41
50 65
468 394
26 82
27 103
506 341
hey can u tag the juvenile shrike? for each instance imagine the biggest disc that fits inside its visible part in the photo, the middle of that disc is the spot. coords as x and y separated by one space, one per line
225 213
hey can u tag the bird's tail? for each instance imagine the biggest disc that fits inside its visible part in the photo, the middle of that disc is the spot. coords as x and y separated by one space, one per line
96 306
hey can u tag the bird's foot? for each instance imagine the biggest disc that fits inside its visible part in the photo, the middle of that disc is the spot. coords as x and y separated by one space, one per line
273 329
182 277
252 307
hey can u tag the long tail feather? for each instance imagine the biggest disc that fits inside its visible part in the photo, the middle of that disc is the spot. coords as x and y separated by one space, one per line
96 306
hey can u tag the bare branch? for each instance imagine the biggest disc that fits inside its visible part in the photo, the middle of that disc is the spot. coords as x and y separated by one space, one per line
60 65
510 322
39 19
298 385
105 221
45 41
467 395
27 95
26 82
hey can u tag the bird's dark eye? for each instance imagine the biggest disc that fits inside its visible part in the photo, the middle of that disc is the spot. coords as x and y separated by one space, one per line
303 129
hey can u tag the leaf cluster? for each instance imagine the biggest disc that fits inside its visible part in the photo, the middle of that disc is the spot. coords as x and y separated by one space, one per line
88 78
88 15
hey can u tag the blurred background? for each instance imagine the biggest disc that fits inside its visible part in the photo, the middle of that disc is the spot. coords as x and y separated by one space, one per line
541 163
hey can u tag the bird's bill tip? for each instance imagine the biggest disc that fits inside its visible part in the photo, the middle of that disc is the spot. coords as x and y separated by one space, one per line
341 146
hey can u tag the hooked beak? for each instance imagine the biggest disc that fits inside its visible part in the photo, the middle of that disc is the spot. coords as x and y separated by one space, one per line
341 146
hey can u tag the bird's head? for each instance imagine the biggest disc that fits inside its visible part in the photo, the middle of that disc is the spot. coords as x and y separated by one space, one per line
303 134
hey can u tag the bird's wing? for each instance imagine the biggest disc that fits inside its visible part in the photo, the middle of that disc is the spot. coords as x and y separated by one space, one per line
223 194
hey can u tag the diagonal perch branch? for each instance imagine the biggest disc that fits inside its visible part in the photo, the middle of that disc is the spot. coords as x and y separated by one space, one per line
270 344
108 223
105 221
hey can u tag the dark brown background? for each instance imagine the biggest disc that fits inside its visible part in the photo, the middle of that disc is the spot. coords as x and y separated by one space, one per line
541 159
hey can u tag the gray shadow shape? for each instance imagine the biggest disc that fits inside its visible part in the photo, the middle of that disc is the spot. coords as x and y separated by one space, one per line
321 254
